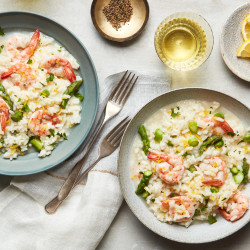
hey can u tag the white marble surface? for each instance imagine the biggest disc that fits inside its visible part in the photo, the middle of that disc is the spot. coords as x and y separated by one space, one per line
126 232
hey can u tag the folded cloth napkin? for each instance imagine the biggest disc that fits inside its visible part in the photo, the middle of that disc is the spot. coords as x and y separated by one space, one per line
84 217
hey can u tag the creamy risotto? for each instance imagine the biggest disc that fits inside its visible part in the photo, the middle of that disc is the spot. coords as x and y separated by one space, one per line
39 98
190 161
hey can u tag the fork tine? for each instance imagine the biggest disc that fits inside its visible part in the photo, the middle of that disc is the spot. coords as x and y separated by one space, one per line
119 135
117 143
121 89
124 89
114 130
117 86
126 95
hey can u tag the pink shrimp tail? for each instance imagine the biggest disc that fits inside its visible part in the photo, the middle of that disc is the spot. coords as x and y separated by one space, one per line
226 127
225 214
34 42
69 73
7 74
214 182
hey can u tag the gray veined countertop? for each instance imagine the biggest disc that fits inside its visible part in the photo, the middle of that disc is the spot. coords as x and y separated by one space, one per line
126 231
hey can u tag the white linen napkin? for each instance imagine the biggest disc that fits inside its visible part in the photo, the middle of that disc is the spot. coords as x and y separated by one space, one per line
84 217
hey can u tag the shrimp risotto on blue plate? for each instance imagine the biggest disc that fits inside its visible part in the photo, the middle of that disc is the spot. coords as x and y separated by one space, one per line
39 98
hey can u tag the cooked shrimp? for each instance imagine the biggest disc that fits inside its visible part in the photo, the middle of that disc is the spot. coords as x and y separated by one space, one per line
181 208
60 67
220 165
173 169
21 49
4 113
40 120
220 125
236 207
21 75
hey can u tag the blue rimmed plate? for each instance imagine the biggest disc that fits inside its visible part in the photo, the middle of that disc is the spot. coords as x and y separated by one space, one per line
31 163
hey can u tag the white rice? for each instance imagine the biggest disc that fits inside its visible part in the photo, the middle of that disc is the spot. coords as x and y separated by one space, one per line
176 130
16 136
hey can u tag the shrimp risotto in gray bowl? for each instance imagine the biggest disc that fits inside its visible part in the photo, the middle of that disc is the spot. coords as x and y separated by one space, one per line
184 165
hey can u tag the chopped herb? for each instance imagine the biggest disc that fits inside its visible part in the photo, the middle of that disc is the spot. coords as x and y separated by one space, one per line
211 219
42 69
45 93
79 96
62 135
1 140
52 131
203 209
141 172
50 78
29 61
1 32
153 200
1 47
42 84
139 163
223 199
186 154
173 114
170 144
197 212
19 99
192 169
173 195
59 50
25 108
178 107
231 134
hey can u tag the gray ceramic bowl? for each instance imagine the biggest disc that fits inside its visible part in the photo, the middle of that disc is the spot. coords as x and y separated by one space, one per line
30 163
197 232
230 41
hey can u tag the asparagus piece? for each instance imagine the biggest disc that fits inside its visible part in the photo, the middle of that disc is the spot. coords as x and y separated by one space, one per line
71 90
17 116
245 169
6 96
158 135
208 142
37 144
143 133
144 182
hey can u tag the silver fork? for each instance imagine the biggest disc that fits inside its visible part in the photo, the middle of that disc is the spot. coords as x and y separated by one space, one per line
115 102
108 145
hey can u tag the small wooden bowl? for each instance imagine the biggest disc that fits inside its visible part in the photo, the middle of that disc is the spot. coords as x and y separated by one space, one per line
128 31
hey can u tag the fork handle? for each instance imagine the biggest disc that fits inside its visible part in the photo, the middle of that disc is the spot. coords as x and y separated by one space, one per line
73 176
54 204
